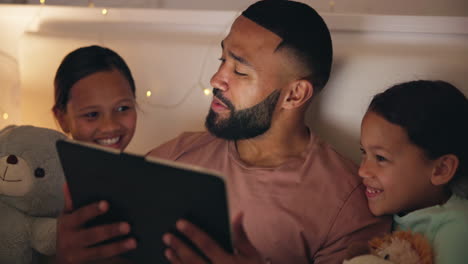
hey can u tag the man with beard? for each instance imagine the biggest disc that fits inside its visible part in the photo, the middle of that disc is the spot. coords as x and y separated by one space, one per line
298 200
301 201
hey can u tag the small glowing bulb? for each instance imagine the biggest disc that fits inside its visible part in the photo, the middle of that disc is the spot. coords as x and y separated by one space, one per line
332 6
148 94
42 2
207 91
5 116
104 11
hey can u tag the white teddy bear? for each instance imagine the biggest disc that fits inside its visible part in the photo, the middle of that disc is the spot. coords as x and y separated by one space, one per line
31 180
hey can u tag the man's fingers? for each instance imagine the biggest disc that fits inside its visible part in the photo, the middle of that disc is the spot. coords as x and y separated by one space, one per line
179 252
101 252
172 256
241 240
110 250
207 245
97 234
77 218
68 207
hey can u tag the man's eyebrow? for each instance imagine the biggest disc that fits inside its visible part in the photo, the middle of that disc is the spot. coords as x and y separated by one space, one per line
237 57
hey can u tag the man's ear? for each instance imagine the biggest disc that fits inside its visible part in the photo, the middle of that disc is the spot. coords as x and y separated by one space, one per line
297 94
61 118
444 169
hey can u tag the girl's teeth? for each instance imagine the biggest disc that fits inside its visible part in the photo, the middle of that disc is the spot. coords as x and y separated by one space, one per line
108 141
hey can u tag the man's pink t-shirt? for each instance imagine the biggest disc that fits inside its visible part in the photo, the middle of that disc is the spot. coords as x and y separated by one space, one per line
307 210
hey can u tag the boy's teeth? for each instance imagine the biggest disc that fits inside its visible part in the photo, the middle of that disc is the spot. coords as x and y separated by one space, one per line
372 190
108 141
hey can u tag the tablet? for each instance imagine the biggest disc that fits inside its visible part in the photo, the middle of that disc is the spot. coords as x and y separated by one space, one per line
150 194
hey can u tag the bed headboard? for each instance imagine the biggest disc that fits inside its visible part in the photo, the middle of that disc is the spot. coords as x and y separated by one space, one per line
173 53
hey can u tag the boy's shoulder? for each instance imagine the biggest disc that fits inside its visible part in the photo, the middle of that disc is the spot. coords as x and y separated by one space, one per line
453 212
456 209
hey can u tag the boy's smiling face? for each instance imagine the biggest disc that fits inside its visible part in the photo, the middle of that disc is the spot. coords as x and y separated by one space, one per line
396 172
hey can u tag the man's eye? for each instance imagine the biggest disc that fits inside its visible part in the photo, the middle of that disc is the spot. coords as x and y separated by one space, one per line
240 73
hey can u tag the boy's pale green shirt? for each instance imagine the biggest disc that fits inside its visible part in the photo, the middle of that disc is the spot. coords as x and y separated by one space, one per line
445 226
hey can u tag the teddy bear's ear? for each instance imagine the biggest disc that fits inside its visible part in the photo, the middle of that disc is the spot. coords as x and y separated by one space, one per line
377 242
7 130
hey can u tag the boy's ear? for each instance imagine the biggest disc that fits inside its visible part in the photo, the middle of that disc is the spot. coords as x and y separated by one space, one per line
444 169
61 117
297 94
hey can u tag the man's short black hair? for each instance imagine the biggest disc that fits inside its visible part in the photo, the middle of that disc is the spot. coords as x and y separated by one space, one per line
302 30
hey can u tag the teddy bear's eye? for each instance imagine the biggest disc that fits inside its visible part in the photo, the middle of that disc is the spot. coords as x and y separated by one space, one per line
12 159
387 256
39 173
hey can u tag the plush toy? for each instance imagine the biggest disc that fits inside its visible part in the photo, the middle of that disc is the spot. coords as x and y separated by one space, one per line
31 197
399 247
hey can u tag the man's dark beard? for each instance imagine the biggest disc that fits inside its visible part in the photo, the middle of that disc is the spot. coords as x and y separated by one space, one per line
245 123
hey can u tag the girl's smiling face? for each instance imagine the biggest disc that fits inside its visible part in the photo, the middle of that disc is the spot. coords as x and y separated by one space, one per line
101 110
396 173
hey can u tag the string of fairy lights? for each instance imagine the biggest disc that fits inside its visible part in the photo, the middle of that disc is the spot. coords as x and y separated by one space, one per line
149 93
11 84
91 4
5 115
207 91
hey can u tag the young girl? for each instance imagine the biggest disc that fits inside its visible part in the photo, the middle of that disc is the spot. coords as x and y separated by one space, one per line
95 97
95 103
414 140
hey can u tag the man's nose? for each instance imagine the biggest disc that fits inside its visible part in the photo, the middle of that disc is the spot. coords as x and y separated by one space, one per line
220 79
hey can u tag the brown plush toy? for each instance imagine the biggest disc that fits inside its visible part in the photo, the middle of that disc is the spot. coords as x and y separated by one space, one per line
398 247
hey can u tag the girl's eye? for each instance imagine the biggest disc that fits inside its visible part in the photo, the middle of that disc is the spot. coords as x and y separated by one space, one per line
91 114
363 152
380 158
123 108
222 60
